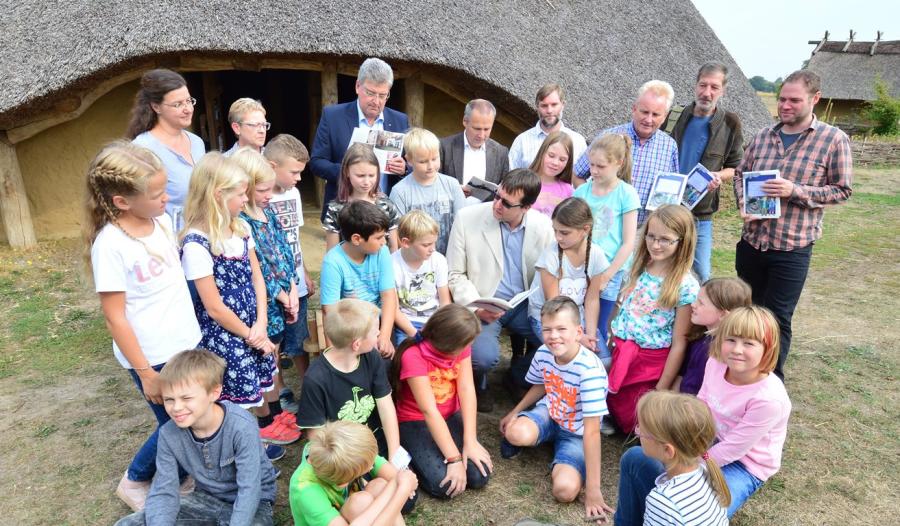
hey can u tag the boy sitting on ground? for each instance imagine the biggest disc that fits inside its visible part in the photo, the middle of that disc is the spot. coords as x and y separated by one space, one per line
327 490
569 388
216 443
350 382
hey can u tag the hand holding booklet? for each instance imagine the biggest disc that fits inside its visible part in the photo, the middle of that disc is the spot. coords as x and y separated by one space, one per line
498 305
697 186
756 203
666 190
385 144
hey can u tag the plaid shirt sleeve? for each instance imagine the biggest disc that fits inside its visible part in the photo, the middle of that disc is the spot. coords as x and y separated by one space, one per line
839 173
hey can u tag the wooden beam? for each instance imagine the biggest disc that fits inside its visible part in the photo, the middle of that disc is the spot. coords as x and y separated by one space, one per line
514 124
13 202
214 125
415 100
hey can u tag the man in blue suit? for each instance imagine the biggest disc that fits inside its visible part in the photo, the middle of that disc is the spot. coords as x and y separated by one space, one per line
368 111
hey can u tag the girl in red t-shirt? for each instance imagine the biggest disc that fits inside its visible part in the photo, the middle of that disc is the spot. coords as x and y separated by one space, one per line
436 404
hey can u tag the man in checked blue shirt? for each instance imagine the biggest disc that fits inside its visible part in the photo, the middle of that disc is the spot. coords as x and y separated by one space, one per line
653 151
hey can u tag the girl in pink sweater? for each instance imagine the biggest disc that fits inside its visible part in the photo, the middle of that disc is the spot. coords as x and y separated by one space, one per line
750 407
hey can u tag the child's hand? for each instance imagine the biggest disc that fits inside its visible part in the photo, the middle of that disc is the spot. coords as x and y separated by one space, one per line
506 421
150 386
269 348
385 346
479 456
604 280
595 508
589 341
456 476
294 296
257 337
407 482
310 285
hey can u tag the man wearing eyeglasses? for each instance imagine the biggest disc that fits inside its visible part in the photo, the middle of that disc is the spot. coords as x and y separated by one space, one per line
491 253
248 122
368 111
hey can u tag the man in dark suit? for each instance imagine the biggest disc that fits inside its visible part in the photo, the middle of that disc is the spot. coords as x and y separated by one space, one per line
472 152
368 111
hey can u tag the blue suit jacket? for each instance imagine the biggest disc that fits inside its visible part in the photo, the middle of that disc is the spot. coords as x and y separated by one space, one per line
332 138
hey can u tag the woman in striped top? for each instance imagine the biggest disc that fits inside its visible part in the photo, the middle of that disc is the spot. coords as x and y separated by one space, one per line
675 431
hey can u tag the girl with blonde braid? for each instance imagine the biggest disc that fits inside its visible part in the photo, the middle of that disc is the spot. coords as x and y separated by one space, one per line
130 247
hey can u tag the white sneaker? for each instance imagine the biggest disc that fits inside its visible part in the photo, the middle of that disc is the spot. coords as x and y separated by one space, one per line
607 428
132 493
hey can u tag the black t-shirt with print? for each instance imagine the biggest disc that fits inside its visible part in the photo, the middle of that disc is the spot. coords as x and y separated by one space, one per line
329 394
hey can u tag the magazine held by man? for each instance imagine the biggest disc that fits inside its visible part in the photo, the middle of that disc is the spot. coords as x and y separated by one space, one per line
697 186
756 203
666 190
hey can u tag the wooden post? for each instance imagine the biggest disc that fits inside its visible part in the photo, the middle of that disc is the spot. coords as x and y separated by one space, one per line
211 93
415 100
329 97
13 202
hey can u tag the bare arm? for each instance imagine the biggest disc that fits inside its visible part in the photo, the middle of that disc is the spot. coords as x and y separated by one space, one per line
677 350
387 413
113 306
331 240
389 306
594 505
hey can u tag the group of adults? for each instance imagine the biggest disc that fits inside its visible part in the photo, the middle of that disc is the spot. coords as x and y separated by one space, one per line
499 250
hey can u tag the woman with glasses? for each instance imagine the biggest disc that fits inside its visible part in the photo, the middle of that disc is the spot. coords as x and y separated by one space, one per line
161 114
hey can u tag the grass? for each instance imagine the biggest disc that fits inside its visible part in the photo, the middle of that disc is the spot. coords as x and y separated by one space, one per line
73 420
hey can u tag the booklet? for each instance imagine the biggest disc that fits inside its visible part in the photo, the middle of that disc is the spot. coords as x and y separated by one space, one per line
697 186
481 189
386 144
498 305
666 190
756 202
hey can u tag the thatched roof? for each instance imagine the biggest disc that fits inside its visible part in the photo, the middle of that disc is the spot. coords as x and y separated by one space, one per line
600 51
849 72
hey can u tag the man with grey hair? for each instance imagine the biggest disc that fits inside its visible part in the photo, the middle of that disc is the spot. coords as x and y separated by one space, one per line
472 153
652 151
368 111
710 136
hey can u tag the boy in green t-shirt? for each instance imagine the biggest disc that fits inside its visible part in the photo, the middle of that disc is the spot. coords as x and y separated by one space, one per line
333 462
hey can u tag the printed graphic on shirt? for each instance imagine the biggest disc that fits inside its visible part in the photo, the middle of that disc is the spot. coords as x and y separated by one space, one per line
442 212
288 218
443 383
561 399
419 297
359 409
603 220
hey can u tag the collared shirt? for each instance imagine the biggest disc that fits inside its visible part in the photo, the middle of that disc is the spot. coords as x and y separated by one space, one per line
657 154
512 281
526 145
363 123
819 164
474 160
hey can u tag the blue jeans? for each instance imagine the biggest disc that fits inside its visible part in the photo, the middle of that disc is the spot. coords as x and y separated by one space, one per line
703 252
296 333
143 465
607 303
637 477
568 448
486 347
201 508
399 335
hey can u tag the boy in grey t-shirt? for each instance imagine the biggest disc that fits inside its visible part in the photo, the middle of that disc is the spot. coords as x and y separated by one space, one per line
217 443
425 189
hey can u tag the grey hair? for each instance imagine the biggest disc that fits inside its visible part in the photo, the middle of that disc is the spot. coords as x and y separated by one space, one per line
660 88
711 68
375 70
482 105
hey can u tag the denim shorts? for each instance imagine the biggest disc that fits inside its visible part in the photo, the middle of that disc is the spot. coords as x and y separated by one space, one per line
568 448
611 291
296 333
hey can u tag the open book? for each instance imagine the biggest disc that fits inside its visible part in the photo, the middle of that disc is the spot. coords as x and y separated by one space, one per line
481 189
385 144
498 305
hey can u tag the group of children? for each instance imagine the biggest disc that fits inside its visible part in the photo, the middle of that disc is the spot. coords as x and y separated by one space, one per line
395 388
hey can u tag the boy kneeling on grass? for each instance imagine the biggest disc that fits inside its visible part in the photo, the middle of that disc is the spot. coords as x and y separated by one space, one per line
327 488
215 442
566 401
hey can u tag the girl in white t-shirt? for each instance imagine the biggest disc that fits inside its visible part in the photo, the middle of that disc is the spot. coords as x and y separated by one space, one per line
143 294
569 266
219 256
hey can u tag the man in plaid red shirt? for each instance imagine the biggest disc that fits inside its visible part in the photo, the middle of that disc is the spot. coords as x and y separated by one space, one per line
816 170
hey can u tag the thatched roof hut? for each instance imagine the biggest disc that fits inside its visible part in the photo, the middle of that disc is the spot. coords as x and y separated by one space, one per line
63 63
849 70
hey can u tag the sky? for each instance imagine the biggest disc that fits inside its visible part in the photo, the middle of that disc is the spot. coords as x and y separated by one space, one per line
769 37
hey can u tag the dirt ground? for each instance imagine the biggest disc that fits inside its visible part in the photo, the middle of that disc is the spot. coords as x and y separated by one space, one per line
72 419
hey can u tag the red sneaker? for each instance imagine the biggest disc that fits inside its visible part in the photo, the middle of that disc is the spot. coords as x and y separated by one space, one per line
279 433
288 418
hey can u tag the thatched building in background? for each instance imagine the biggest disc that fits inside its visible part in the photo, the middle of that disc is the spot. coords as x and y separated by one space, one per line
849 70
68 72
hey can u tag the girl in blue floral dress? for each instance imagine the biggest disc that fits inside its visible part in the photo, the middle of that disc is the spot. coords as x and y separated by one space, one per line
218 255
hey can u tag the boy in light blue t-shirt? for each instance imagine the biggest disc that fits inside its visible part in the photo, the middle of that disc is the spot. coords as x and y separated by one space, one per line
360 267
